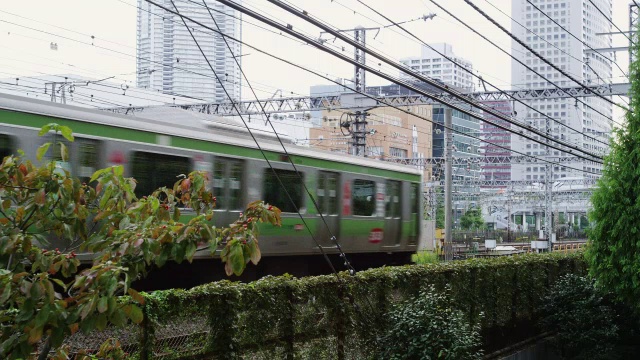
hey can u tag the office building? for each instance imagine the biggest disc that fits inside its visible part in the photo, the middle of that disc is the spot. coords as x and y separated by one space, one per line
438 67
169 60
584 21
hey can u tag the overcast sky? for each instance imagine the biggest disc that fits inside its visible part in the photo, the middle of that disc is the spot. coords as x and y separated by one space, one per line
25 51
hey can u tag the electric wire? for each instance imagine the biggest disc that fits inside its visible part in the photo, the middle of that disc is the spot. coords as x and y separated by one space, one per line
518 60
608 18
472 74
373 98
548 42
408 85
577 38
544 59
326 257
332 236
162 64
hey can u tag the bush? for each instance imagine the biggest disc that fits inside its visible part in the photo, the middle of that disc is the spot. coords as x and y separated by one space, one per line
428 328
583 317
425 257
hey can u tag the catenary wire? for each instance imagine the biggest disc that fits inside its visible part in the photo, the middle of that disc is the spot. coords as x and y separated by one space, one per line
472 74
408 85
373 98
516 59
544 59
547 41
575 37
326 257
295 168
612 23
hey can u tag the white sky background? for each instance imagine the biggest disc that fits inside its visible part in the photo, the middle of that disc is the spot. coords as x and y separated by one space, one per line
113 23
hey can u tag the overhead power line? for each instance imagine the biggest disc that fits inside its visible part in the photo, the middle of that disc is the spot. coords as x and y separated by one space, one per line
518 60
541 37
575 37
544 59
608 18
370 96
137 56
472 73
326 257
332 236
445 89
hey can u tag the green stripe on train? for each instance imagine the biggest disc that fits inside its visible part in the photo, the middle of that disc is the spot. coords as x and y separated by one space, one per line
105 131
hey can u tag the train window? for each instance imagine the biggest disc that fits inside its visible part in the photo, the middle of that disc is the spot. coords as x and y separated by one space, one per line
87 154
415 216
275 195
227 183
153 171
321 193
392 199
327 193
6 146
364 197
415 198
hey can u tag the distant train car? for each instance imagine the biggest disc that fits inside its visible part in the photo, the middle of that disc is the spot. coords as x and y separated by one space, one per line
371 206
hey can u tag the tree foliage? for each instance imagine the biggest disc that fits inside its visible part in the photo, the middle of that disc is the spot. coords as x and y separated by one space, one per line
582 317
427 327
45 296
472 219
614 250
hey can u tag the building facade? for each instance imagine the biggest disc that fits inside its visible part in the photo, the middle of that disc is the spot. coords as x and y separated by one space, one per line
498 142
437 67
465 146
169 61
392 134
544 36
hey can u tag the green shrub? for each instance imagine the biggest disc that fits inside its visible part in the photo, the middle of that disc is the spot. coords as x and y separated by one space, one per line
583 318
425 257
427 327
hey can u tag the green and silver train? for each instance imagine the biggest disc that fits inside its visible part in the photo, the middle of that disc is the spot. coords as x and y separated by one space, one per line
371 206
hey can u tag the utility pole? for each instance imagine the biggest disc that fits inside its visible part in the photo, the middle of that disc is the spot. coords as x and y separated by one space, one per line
359 79
548 182
448 180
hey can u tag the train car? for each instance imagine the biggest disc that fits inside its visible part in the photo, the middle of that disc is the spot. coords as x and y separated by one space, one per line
371 206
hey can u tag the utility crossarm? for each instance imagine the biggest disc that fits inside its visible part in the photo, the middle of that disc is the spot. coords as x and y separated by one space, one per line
523 159
335 102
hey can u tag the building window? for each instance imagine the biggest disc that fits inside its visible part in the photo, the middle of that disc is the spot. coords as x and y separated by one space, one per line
398 153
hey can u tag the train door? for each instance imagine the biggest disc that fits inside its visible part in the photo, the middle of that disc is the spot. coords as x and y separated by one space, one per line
328 206
87 153
7 146
227 188
393 211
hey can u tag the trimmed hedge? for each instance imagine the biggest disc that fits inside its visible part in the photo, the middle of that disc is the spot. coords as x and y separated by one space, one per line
342 317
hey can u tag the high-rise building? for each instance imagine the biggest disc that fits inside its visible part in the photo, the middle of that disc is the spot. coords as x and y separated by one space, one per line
170 62
543 35
437 67
498 142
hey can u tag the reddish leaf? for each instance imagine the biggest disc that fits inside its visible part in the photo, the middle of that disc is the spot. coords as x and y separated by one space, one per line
136 296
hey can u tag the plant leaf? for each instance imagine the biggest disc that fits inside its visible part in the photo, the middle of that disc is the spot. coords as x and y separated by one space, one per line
66 132
64 153
45 129
42 150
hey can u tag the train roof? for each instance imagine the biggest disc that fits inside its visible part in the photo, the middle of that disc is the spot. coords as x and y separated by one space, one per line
190 125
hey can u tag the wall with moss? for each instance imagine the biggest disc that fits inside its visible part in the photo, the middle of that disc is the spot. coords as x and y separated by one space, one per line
341 317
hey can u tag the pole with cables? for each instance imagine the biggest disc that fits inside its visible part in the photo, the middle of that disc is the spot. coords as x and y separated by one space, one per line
448 179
